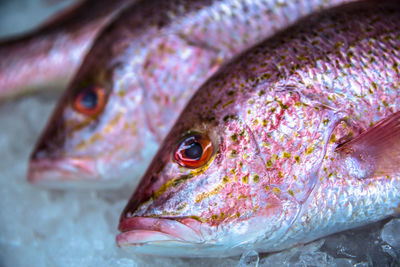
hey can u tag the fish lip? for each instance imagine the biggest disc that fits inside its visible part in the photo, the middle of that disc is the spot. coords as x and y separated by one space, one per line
148 230
61 169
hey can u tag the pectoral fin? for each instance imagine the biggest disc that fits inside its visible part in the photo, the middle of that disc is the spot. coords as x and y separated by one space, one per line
376 151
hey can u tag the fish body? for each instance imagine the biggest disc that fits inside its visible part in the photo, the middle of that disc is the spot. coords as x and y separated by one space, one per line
304 130
49 56
141 71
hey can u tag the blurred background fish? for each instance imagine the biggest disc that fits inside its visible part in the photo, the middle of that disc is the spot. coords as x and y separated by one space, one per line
48 56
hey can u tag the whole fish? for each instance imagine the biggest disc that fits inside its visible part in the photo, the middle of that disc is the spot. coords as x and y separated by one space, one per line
137 78
296 139
48 56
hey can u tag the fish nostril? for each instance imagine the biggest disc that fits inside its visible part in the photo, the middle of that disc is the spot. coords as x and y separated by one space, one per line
38 154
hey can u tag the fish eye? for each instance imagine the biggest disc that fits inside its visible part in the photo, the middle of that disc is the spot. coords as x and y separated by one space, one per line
193 151
90 101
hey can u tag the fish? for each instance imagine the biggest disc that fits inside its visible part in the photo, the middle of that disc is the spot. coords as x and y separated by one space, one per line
296 139
49 56
137 78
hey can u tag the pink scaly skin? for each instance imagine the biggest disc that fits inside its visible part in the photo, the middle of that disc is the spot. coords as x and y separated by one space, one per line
49 56
149 62
275 117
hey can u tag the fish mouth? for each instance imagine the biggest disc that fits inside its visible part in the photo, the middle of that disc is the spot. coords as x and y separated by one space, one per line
51 172
148 235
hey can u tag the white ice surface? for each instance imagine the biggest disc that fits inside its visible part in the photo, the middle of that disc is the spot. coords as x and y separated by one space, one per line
39 227
18 16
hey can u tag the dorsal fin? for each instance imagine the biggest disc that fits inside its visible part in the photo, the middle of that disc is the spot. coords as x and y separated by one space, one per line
376 151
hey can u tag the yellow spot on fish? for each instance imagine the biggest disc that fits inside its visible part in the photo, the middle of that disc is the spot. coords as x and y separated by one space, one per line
214 191
268 163
234 137
82 145
256 178
333 138
287 155
122 94
113 122
338 45
267 188
309 150
228 103
245 179
242 196
297 158
276 190
290 192
94 138
225 179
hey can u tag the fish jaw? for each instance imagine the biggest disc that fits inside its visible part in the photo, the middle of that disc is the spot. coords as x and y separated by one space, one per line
191 238
145 235
79 173
60 172
47 169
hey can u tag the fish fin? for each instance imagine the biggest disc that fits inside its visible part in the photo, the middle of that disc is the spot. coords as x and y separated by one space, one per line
376 151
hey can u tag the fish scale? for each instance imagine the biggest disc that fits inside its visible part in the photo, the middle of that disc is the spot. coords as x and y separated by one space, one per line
287 114
149 61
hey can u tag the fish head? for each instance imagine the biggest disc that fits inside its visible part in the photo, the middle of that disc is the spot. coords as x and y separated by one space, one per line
92 137
208 190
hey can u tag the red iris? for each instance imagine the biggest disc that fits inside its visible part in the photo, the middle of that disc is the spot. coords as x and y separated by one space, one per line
90 101
194 151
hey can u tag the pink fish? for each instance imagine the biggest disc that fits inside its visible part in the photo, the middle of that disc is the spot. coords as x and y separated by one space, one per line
137 78
294 140
49 56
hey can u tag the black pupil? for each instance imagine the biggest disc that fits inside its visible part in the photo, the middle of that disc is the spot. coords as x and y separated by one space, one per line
194 151
89 100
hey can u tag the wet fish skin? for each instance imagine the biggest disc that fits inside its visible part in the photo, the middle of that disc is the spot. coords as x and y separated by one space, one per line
275 117
149 61
49 56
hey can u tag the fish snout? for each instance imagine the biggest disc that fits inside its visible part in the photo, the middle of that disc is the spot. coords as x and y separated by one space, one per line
144 233
45 171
